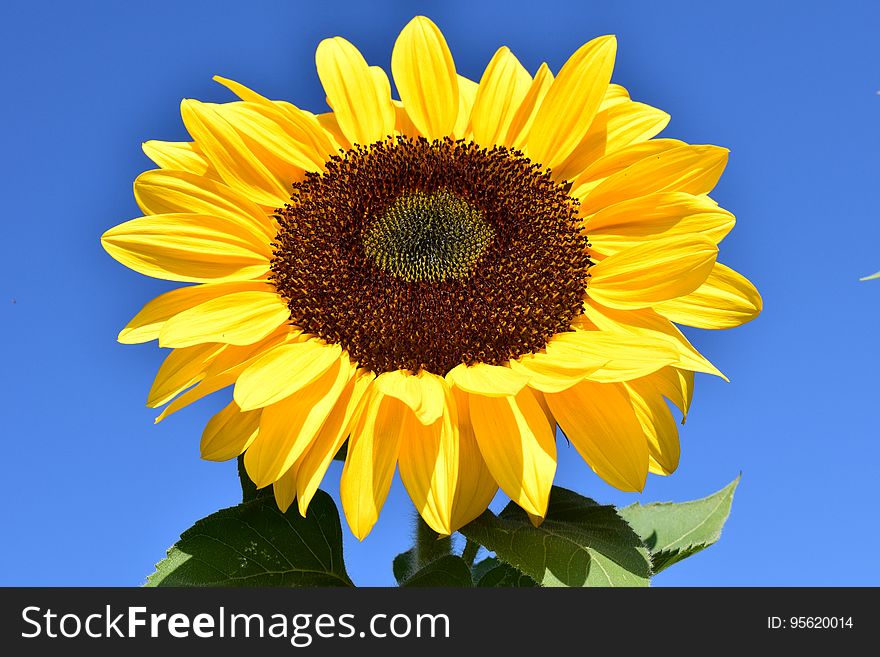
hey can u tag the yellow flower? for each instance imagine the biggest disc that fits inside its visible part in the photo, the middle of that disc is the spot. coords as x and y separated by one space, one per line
438 280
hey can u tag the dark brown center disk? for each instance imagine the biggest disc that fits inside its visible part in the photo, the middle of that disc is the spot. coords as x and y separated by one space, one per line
417 255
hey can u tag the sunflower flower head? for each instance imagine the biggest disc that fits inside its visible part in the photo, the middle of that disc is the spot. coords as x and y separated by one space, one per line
436 281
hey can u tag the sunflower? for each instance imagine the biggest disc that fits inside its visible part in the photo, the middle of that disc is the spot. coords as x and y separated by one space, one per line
434 282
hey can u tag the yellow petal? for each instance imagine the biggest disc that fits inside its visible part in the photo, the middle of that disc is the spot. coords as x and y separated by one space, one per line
284 370
281 112
571 102
725 300
285 143
518 445
161 192
539 396
206 386
240 90
693 169
228 153
229 433
285 488
226 368
556 371
315 138
422 392
658 425
328 122
524 117
652 272
428 464
305 128
613 128
614 95
285 158
503 87
676 385
333 434
364 114
602 356
403 123
145 326
665 214
239 318
599 420
425 77
187 247
179 155
467 94
181 369
475 486
373 448
288 427
382 84
645 321
618 161
487 380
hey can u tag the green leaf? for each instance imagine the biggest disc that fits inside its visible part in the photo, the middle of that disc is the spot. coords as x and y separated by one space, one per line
448 570
495 573
479 569
673 532
579 543
254 544
404 565
342 453
441 570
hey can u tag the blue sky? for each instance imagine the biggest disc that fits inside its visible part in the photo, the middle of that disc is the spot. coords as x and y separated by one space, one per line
93 493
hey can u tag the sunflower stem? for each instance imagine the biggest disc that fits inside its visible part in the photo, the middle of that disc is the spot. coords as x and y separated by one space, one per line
430 546
249 490
469 553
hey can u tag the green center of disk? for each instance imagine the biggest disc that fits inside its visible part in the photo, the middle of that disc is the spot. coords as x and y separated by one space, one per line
428 237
